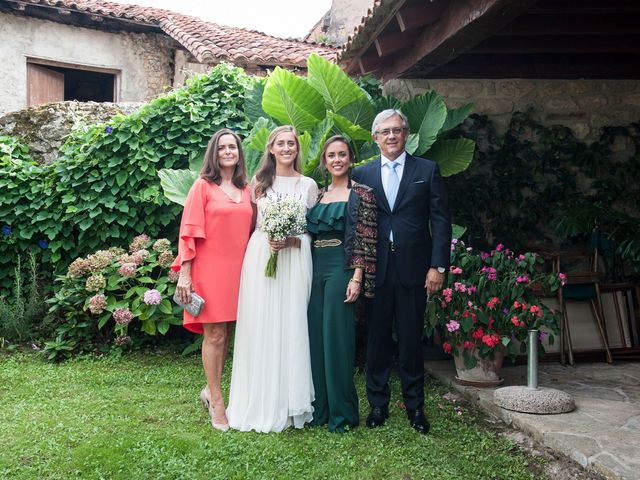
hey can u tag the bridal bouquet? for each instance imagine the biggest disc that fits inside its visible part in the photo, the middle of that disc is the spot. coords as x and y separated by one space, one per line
283 216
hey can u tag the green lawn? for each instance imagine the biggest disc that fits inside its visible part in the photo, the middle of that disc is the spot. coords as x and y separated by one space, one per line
139 417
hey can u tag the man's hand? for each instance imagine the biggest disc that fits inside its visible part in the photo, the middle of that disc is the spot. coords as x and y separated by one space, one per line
434 281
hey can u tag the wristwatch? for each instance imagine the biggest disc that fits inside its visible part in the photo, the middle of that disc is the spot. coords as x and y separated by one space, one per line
441 269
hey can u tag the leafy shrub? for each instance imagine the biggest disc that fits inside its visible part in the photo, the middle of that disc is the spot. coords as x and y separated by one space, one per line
108 292
104 188
21 313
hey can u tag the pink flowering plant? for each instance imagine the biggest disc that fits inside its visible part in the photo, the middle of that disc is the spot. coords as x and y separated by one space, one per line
488 303
109 291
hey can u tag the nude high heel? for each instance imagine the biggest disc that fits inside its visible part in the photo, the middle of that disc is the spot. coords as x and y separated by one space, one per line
223 427
204 398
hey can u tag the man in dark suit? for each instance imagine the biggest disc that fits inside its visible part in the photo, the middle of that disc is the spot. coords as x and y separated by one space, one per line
412 258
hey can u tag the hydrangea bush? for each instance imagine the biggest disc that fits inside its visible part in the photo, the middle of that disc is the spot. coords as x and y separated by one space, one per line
108 292
488 302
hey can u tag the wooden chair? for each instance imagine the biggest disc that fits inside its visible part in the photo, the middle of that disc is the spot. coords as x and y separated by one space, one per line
583 278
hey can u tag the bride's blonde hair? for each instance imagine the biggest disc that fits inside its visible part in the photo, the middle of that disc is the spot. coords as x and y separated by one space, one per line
266 173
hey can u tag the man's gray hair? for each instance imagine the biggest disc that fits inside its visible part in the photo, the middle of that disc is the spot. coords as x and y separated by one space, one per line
388 113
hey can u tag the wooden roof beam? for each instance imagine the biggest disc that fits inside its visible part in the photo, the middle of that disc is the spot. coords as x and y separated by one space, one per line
556 7
369 64
545 25
557 44
459 29
588 66
420 15
394 42
363 43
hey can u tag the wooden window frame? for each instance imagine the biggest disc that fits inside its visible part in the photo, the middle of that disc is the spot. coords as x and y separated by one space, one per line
78 66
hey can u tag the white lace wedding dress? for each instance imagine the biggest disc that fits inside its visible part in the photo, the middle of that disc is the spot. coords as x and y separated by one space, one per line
271 385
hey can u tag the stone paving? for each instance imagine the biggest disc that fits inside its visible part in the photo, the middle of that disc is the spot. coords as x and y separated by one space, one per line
602 434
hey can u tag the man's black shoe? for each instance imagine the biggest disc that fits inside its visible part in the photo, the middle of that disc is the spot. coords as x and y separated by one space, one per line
418 421
377 417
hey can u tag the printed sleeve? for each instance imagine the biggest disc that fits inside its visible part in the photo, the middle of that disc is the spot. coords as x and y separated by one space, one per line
366 237
192 225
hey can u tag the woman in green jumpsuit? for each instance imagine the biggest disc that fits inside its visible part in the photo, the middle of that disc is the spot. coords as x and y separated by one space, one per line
343 225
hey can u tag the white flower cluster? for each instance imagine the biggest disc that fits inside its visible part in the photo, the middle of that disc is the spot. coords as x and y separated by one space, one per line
283 216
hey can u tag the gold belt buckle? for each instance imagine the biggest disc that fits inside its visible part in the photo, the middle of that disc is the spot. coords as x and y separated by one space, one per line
332 242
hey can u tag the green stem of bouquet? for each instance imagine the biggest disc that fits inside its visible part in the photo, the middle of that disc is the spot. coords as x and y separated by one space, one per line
272 265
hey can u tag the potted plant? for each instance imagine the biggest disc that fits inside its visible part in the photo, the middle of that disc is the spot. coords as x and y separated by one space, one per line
487 307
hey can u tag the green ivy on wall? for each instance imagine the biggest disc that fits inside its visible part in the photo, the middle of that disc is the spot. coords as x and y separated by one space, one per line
104 188
539 185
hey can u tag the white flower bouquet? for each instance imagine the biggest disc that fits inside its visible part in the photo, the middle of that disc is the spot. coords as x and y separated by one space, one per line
283 216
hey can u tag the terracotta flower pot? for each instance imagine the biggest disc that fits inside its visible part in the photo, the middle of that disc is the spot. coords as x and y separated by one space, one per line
484 374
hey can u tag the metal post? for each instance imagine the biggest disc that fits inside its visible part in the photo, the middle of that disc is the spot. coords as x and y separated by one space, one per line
532 367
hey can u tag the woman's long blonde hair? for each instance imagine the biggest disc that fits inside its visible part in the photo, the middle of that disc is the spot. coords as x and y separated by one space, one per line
266 173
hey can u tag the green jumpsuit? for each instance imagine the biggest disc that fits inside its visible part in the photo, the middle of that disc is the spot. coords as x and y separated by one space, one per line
331 321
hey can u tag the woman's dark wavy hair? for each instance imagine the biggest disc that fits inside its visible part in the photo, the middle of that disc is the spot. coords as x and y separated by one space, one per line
266 173
211 170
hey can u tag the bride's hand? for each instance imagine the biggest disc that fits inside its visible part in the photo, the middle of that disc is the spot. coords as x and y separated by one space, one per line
277 245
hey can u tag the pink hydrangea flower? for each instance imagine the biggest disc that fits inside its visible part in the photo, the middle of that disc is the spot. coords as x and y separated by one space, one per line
140 255
173 276
122 340
97 304
127 270
455 270
523 279
139 242
122 316
499 247
152 297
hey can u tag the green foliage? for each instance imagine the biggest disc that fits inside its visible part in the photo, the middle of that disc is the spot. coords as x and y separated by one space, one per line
137 417
327 102
109 291
542 179
22 311
104 188
489 303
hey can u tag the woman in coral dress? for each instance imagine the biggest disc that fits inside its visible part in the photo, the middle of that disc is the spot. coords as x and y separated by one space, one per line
271 385
215 229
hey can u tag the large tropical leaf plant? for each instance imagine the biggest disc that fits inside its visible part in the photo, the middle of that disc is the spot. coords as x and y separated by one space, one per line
328 102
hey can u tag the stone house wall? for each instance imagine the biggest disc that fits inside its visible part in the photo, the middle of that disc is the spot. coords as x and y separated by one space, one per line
144 60
44 128
345 15
585 106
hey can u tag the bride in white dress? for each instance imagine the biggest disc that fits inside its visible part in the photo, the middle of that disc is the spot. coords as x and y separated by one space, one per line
271 386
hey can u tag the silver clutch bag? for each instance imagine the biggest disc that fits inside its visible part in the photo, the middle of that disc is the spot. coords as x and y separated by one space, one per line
194 307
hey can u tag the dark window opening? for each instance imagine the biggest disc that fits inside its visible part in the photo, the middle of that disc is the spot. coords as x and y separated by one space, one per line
49 83
87 86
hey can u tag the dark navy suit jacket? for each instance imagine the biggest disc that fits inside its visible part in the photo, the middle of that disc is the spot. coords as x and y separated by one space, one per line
421 203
